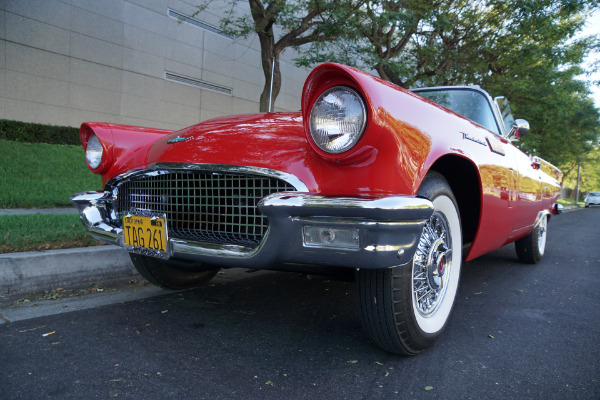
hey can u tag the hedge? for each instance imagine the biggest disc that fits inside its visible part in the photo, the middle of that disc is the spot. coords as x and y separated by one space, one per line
38 133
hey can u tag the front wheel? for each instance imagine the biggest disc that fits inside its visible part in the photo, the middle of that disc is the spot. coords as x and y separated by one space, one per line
530 249
404 309
172 274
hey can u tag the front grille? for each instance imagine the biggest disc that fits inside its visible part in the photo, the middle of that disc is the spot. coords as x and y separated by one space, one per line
202 205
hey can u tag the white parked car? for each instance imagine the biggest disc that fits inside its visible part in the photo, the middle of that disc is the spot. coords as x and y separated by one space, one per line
592 199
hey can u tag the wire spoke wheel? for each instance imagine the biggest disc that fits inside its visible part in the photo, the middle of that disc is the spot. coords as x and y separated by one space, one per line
404 309
431 263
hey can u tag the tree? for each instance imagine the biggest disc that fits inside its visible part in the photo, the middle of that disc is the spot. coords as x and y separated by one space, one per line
417 42
538 70
590 173
281 24
525 50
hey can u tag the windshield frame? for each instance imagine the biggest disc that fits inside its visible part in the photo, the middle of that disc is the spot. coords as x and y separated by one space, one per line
499 122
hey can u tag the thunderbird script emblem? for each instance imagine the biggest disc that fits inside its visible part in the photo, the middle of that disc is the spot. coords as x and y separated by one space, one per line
179 139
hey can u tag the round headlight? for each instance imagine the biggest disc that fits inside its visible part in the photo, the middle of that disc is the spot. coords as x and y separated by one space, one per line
337 119
93 152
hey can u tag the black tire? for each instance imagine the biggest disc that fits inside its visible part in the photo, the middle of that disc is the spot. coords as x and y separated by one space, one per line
390 312
530 249
171 274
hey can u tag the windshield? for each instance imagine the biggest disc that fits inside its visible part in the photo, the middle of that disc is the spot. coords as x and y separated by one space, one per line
467 102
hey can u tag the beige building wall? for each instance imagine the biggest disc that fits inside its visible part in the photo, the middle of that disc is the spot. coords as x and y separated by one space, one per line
63 62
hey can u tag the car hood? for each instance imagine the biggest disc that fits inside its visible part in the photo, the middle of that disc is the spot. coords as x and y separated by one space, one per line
267 140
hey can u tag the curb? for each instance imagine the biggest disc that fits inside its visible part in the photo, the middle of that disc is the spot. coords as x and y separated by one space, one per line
32 271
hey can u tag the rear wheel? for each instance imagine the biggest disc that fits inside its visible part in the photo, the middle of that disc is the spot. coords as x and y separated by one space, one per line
172 274
405 309
530 249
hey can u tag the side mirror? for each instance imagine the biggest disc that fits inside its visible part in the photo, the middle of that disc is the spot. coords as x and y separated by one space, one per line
519 129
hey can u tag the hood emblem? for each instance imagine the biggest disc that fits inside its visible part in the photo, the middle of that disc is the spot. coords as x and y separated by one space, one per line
179 139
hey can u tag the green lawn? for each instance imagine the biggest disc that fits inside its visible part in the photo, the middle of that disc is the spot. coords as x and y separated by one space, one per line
570 202
40 175
42 232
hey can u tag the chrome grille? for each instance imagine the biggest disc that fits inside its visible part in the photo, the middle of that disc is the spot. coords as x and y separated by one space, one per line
202 205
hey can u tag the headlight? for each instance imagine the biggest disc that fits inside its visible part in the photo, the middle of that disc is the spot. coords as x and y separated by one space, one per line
337 119
93 152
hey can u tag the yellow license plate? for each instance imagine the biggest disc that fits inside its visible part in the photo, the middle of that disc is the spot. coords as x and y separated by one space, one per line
146 235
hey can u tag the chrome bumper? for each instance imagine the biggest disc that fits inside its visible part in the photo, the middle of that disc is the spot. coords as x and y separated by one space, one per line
386 231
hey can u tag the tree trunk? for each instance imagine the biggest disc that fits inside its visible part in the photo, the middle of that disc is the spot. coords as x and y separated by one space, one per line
268 53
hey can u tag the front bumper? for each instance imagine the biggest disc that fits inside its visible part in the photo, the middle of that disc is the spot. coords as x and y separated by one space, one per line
386 231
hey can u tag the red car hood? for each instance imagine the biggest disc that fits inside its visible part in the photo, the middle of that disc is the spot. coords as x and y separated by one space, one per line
273 140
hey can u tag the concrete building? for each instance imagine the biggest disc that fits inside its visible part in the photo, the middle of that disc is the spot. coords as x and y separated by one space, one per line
140 62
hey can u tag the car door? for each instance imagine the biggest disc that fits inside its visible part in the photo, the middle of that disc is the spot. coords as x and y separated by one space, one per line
528 192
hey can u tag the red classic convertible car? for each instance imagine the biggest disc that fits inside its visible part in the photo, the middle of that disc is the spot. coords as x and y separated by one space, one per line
397 187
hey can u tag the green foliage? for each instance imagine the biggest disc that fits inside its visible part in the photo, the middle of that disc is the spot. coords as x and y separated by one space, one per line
281 24
589 179
42 175
539 75
527 51
38 133
524 50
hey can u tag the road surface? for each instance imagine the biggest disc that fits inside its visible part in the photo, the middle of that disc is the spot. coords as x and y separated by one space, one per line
517 332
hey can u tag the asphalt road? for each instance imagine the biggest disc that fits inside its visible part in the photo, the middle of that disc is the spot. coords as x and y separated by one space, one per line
517 332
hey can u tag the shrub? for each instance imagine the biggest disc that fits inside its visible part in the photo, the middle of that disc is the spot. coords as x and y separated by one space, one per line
38 133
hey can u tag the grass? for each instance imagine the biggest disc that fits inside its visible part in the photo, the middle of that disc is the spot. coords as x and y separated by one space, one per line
40 175
42 232
570 202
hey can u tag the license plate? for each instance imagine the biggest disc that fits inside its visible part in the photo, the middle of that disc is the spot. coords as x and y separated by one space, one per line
146 235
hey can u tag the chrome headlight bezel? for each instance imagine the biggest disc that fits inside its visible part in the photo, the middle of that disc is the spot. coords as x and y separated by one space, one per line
337 119
94 152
